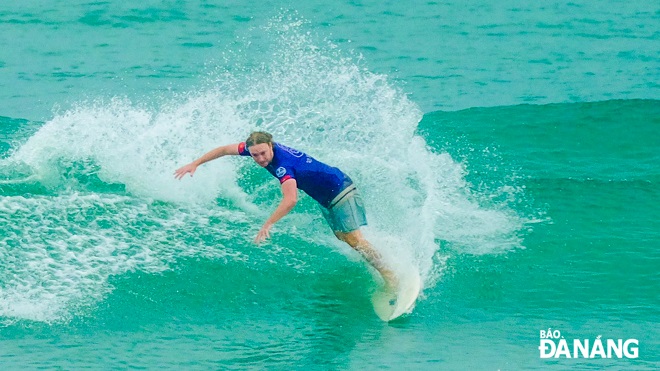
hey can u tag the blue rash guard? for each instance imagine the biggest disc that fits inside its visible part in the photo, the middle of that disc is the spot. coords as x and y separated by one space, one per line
320 181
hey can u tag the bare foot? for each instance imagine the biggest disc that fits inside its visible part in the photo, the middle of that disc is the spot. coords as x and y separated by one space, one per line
391 281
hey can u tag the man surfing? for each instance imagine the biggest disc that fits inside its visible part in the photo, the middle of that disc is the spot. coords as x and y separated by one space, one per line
340 202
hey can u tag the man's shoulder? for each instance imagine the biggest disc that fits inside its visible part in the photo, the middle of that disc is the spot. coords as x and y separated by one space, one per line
288 151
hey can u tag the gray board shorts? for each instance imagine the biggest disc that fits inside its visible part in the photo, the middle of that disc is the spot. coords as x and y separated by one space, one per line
346 211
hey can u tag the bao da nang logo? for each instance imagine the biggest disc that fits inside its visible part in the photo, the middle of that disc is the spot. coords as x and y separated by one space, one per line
553 345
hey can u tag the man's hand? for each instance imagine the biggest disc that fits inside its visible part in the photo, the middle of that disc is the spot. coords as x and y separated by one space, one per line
263 234
290 192
190 168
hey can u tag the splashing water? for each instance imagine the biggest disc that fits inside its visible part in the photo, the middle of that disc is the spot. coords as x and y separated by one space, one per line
310 97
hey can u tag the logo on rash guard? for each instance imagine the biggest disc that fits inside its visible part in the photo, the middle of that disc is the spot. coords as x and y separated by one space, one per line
280 172
292 151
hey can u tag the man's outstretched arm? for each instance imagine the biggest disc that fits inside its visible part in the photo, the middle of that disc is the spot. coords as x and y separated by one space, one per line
289 200
230 149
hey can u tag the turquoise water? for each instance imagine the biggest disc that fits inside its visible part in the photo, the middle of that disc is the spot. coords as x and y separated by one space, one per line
508 151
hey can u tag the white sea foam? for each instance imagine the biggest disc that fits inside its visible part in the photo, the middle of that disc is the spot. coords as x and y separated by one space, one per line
59 252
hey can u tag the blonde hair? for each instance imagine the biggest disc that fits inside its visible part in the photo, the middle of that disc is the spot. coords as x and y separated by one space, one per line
259 137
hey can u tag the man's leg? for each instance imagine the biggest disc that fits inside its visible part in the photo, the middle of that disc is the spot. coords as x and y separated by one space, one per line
361 245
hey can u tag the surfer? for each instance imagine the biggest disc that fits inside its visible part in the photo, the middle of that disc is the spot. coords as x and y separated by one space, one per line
340 202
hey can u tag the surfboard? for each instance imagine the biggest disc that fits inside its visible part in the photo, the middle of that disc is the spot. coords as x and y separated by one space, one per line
392 305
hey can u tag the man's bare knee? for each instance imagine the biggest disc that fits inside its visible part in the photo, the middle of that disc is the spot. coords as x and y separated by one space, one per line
354 239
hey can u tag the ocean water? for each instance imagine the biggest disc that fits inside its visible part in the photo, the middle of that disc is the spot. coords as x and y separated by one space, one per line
507 151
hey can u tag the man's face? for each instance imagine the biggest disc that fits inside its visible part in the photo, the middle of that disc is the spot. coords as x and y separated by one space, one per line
262 153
